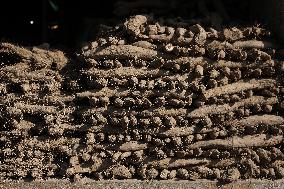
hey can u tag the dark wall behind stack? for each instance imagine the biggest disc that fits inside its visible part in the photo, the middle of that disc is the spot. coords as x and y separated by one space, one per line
33 22
70 23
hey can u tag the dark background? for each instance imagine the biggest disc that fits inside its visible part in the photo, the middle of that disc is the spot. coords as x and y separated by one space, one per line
68 23
58 22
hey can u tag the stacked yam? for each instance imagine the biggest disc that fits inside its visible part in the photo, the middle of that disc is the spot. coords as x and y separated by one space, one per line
148 102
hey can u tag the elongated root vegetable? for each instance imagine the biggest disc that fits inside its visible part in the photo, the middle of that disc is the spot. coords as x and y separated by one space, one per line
36 57
257 120
127 72
262 140
128 146
176 163
250 44
239 87
123 52
222 109
182 131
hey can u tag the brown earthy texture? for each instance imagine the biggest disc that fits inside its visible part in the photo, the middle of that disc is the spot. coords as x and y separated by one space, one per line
138 184
145 101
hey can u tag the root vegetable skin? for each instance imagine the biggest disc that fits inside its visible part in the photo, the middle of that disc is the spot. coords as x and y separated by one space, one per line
231 175
257 120
121 52
164 37
125 92
132 25
144 44
250 44
127 72
176 163
222 109
125 147
231 64
173 163
182 131
250 141
36 57
145 113
120 171
36 109
239 86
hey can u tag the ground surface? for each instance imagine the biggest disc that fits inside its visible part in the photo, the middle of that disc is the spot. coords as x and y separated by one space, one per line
134 184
